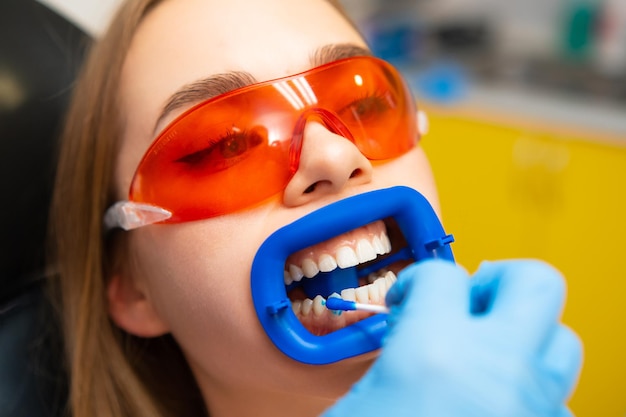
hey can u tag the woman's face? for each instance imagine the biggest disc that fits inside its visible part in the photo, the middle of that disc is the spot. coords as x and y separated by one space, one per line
195 276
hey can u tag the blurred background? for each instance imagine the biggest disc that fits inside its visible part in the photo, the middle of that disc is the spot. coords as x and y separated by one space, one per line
527 108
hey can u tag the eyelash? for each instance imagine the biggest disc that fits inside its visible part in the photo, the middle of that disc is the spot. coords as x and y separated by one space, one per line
199 157
377 98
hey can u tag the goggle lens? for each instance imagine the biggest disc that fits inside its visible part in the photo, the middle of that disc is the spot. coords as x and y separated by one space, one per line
238 149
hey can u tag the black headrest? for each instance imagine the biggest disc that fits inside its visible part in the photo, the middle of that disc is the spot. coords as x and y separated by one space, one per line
40 53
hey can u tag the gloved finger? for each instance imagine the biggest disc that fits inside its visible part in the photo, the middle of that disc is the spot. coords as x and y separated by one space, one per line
562 360
525 295
432 290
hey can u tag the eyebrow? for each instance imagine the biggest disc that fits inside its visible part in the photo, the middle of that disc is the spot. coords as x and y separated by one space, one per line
217 84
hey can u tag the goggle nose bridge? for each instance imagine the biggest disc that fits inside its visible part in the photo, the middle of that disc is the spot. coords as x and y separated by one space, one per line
328 118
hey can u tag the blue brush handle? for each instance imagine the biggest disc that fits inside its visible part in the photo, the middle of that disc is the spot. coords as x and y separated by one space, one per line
334 303
339 304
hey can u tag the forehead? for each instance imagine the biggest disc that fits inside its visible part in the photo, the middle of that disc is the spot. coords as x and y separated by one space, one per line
182 41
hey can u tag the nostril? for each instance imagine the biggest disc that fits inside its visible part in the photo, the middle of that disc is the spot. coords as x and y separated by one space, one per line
310 188
356 173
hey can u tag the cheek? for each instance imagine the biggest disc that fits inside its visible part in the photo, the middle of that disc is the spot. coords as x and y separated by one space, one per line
197 275
198 280
412 170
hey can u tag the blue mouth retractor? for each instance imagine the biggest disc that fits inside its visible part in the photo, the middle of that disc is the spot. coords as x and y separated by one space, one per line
421 228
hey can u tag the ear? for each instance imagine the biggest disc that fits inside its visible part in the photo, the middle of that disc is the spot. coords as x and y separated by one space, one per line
131 310
422 123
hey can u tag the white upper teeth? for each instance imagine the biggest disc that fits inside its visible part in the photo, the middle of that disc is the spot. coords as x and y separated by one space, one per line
344 257
365 251
327 263
310 268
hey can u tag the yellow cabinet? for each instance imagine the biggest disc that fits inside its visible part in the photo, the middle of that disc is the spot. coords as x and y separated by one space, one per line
510 189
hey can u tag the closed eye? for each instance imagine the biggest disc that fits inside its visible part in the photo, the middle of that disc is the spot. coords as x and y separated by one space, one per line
228 150
370 105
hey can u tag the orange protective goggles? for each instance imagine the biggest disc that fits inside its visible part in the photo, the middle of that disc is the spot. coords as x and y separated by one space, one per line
237 149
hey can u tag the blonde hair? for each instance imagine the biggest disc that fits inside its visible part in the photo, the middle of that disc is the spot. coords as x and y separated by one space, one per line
111 373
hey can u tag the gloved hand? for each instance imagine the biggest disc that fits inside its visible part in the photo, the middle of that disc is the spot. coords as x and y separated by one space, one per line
489 346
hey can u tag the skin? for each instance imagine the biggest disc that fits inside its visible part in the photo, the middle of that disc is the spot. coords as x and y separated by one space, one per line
192 279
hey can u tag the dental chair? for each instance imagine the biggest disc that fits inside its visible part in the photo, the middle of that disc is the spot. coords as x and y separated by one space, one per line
40 53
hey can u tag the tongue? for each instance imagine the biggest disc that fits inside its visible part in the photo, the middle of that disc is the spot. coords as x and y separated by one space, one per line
326 283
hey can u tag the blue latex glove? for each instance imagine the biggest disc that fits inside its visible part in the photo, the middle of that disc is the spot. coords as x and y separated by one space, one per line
487 346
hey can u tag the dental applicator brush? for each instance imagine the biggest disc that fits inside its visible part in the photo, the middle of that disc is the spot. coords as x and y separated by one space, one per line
339 304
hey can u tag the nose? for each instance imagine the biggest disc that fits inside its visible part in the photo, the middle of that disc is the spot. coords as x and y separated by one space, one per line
329 163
